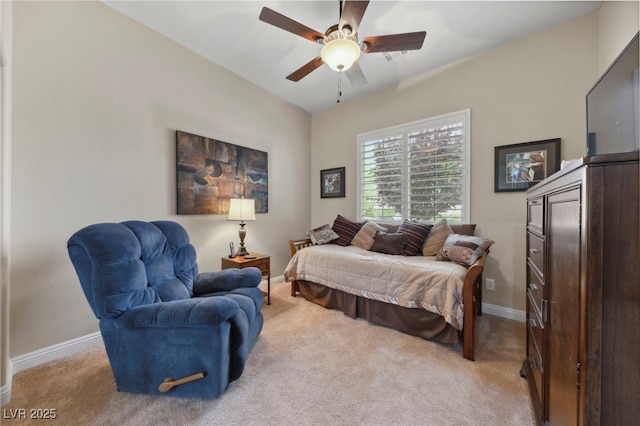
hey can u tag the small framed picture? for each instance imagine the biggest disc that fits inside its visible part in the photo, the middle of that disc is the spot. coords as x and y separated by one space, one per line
520 166
332 183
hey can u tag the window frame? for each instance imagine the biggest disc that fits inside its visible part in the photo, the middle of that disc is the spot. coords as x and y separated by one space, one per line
405 129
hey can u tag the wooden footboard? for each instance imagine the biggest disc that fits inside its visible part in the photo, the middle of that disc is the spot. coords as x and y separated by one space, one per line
471 297
294 246
472 300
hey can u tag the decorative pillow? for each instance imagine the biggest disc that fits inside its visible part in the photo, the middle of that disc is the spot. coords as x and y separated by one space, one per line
365 236
463 228
436 238
389 243
463 249
416 233
322 235
346 230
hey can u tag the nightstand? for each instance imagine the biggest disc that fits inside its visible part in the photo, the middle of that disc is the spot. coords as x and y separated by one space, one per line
261 261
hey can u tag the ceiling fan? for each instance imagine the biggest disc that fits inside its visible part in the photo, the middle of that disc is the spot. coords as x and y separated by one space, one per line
341 48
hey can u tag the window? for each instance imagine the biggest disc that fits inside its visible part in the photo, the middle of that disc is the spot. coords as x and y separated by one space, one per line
416 171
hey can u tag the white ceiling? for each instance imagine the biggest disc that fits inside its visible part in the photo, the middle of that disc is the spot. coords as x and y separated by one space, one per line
230 34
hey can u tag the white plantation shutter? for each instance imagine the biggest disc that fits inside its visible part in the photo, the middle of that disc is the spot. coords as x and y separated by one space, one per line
382 165
416 171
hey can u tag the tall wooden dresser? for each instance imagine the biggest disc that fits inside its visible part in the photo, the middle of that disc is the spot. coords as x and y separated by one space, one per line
583 293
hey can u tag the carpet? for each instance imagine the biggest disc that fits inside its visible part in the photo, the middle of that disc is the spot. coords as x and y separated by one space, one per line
310 366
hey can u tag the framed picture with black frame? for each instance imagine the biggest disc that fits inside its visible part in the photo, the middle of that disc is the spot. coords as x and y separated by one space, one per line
332 183
520 166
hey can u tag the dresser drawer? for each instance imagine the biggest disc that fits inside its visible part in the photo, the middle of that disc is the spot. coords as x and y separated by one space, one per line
535 252
536 330
535 366
534 351
535 215
535 291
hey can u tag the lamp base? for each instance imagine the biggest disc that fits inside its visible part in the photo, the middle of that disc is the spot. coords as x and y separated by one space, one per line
242 251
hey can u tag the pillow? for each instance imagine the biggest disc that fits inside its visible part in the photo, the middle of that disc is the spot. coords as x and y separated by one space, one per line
463 249
416 233
322 235
389 243
365 236
463 228
436 238
346 230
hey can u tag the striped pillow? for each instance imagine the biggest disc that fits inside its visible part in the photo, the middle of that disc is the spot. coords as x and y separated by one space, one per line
416 232
346 229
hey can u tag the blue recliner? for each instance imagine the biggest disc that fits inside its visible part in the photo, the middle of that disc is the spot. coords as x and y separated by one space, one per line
166 328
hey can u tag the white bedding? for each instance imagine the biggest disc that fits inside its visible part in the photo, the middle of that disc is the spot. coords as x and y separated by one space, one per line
409 281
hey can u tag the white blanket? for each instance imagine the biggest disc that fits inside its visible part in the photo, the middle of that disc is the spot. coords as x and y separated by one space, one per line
409 281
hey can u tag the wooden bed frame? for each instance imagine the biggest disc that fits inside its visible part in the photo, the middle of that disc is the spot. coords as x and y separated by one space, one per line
471 297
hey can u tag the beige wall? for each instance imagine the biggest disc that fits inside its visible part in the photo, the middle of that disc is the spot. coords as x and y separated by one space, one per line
6 49
528 90
97 100
617 24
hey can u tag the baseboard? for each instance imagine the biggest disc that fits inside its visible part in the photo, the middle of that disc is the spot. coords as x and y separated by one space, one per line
57 351
501 311
42 356
274 280
5 391
5 394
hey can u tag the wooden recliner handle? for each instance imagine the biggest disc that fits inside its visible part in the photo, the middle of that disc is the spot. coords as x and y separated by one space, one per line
170 383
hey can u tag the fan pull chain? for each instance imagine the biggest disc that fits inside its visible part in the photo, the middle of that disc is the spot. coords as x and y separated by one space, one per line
339 86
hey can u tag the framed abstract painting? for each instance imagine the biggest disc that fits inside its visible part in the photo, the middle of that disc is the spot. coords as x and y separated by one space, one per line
210 172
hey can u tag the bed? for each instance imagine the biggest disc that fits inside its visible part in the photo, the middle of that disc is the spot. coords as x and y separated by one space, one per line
417 295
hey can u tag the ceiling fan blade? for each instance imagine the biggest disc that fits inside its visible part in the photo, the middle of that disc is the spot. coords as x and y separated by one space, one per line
352 14
278 20
306 69
394 42
356 76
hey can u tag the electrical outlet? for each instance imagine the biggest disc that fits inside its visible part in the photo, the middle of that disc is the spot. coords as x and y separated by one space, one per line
490 284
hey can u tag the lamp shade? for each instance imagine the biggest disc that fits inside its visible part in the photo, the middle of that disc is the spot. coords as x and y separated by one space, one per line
340 54
242 209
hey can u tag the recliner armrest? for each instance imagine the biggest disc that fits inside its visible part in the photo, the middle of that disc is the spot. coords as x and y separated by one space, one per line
178 313
226 280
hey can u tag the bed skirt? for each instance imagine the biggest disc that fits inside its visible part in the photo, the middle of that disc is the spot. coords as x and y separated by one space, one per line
416 322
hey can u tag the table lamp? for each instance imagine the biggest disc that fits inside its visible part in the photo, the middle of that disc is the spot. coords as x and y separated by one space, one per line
242 209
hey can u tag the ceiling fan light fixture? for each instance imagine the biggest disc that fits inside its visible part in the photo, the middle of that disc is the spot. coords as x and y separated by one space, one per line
340 54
